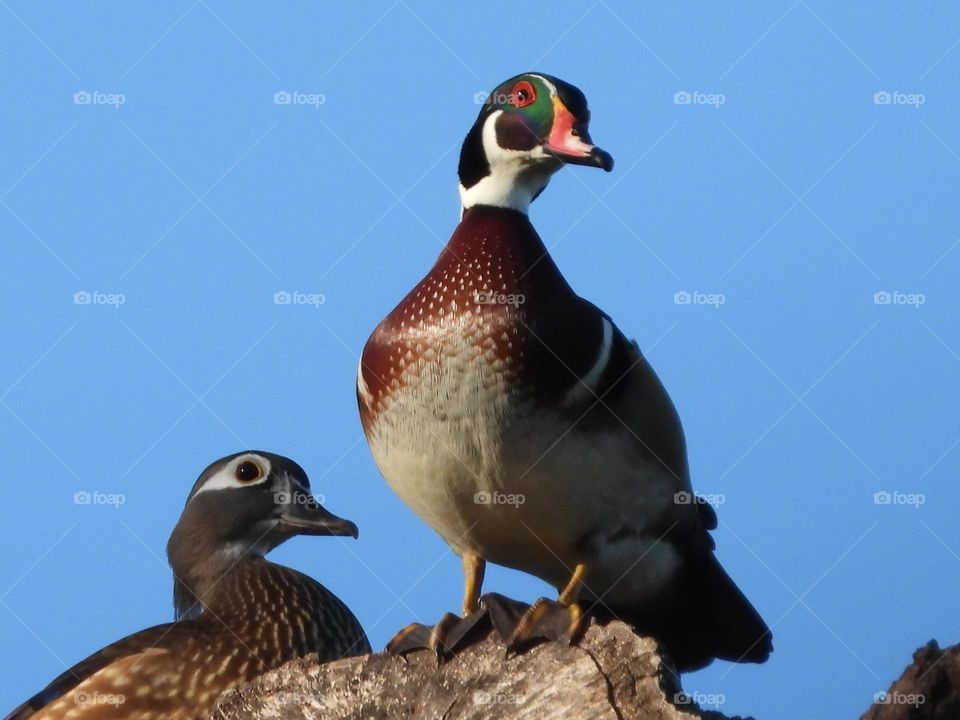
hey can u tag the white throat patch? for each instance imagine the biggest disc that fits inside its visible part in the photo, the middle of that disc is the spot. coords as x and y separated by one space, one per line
516 176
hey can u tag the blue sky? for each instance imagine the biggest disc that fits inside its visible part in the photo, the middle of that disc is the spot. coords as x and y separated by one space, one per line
800 191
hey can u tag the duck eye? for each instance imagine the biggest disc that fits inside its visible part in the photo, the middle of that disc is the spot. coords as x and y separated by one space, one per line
248 471
523 94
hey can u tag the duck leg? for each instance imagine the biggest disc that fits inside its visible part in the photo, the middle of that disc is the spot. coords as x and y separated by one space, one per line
474 568
560 620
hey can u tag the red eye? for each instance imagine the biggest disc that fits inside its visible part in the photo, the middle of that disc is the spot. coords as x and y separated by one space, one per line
522 94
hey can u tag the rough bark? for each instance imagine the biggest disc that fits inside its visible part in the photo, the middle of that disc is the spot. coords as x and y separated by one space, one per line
612 674
929 689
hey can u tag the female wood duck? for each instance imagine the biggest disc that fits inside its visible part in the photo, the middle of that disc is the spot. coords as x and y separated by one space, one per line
239 615
516 419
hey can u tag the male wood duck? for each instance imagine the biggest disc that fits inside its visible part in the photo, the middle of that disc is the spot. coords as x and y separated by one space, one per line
518 421
239 615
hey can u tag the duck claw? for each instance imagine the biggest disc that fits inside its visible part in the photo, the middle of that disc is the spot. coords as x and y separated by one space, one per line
516 623
504 613
547 620
443 639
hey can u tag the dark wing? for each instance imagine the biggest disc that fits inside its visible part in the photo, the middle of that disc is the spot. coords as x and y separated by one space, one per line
627 396
156 637
708 615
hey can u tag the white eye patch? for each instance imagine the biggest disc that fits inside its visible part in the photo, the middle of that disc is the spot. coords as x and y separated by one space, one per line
226 477
513 180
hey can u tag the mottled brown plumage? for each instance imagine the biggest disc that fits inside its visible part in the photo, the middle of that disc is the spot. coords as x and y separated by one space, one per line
244 614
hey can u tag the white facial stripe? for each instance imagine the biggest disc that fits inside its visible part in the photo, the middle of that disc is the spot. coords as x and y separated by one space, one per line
515 175
550 85
495 153
226 478
587 386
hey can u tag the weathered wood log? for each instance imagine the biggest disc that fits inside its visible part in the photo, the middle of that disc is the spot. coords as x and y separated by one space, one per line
929 689
612 674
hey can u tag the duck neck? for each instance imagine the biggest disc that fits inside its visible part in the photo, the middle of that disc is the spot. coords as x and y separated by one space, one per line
508 185
501 245
202 569
498 177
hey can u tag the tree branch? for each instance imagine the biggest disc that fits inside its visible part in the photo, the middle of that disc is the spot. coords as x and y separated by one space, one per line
612 674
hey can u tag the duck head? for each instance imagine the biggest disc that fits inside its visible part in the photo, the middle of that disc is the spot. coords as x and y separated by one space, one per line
242 506
529 127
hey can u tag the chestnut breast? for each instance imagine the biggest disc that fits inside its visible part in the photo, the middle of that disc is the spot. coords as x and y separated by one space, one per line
494 292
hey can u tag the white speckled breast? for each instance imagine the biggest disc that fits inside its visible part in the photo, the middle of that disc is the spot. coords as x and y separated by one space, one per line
463 409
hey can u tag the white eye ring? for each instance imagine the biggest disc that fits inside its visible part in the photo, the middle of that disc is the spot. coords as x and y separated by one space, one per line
227 479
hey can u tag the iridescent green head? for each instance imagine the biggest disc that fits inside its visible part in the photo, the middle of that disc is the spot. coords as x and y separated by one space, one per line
529 127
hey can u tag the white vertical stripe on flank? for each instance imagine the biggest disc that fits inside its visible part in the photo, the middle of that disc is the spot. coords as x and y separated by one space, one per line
588 384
